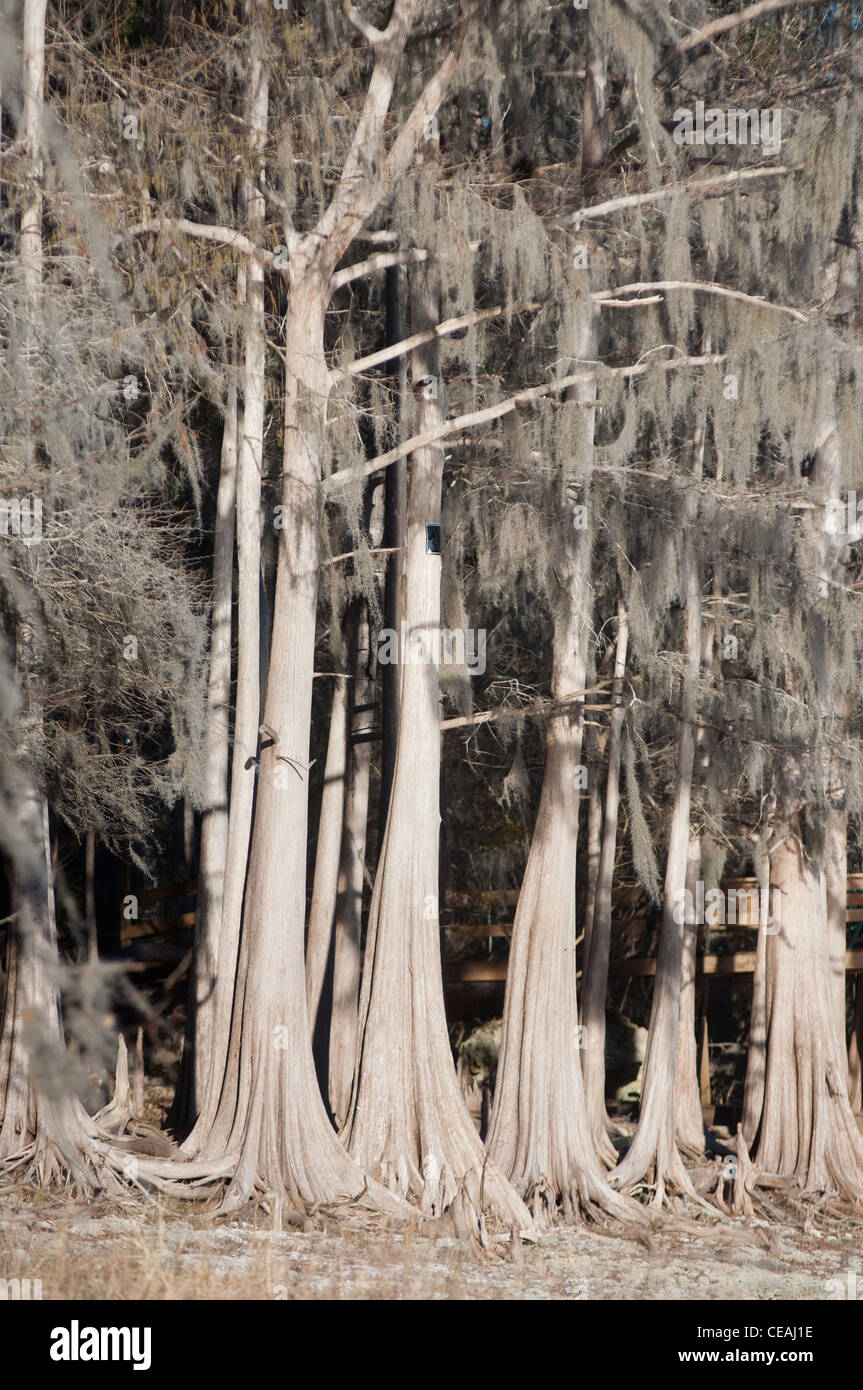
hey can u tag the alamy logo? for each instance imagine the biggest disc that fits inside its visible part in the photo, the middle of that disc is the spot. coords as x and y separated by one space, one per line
76 1343
21 517
844 516
21 1290
433 647
845 1289
743 906
736 127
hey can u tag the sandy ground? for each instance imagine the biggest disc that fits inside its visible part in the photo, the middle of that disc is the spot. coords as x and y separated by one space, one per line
146 1253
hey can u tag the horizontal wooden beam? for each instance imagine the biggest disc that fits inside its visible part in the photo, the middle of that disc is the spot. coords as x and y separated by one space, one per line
468 971
731 963
133 931
147 897
723 966
480 929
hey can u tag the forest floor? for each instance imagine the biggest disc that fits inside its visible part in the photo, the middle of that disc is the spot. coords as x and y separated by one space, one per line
151 1253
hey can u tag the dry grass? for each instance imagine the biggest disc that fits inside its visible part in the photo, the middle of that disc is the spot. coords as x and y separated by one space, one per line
152 1253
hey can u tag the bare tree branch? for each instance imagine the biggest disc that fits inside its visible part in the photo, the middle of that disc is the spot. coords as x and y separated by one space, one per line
360 185
440 330
700 287
369 32
723 183
204 231
381 261
494 412
535 707
729 21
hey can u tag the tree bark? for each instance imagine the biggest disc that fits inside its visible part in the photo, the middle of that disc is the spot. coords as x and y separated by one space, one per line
43 1126
837 898
538 1133
320 943
352 867
212 859
653 1148
247 709
855 1050
408 1123
594 818
395 512
688 1119
807 1133
595 986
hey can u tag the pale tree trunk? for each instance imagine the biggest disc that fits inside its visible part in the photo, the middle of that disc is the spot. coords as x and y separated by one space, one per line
855 1050
593 137
352 866
92 935
756 1055
595 986
808 1133
248 693
837 897
43 1126
689 1120
270 1128
319 941
408 1124
594 752
191 1085
653 1150
395 513
538 1133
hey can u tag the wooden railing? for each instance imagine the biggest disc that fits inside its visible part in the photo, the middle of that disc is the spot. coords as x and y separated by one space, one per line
629 897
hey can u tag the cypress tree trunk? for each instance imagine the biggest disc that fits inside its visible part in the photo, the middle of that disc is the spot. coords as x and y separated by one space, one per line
837 897
594 816
807 1133
688 1119
248 692
395 514
855 1049
43 1126
320 941
653 1150
352 863
408 1123
538 1133
271 1127
595 986
191 1086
